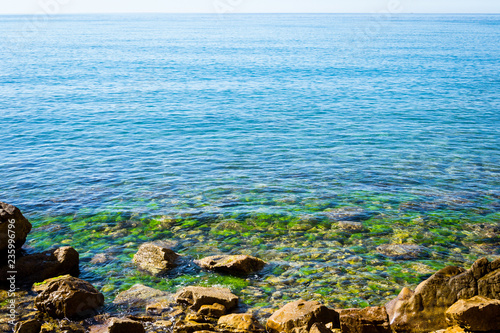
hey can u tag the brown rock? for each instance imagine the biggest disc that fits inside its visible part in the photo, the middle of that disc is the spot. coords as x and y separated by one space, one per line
239 323
41 266
213 310
476 314
28 326
425 310
18 233
124 325
41 286
155 258
368 320
404 295
351 226
299 316
198 296
319 328
489 285
140 295
191 326
70 297
237 264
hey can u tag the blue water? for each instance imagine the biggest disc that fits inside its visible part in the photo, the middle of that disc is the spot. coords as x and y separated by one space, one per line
213 118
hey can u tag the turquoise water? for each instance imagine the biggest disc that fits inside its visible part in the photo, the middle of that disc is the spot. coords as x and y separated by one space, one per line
252 134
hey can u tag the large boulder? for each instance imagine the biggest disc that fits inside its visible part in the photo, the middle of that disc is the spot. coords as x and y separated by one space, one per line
195 297
239 323
477 314
125 325
367 320
69 298
233 264
299 316
13 225
424 310
155 258
41 266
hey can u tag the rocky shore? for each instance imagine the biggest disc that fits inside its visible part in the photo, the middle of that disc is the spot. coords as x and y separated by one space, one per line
53 299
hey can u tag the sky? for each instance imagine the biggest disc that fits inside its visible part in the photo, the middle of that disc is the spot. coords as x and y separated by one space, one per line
53 7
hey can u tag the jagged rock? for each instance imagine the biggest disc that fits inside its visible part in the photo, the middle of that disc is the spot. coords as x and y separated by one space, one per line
401 251
155 258
476 314
239 323
351 226
198 296
215 310
41 286
237 264
20 230
41 266
299 316
368 320
124 325
28 326
489 285
70 298
424 311
140 295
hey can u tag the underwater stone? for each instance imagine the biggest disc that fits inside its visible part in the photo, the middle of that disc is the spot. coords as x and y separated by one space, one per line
476 314
401 251
155 258
8 214
139 295
198 296
235 264
70 297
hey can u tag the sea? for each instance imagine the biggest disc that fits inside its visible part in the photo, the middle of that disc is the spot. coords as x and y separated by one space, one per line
312 141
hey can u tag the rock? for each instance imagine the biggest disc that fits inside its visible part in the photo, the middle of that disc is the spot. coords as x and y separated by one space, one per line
160 306
237 264
477 314
198 296
155 258
239 323
319 328
368 320
351 226
299 316
41 286
41 266
19 231
28 326
165 324
489 285
140 295
70 298
404 295
424 310
401 251
215 310
124 325
347 214
191 326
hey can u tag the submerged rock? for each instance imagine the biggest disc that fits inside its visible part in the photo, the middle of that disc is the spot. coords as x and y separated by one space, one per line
367 320
155 258
401 251
239 323
424 310
198 296
11 216
351 226
477 314
235 264
140 295
70 297
299 316
347 214
125 325
41 266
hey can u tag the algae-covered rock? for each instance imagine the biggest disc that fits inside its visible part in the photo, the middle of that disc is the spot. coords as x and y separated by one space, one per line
477 314
41 266
235 264
13 225
239 323
155 258
348 213
198 296
70 298
299 316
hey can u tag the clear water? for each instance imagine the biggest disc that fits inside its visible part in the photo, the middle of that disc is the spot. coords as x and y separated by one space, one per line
251 134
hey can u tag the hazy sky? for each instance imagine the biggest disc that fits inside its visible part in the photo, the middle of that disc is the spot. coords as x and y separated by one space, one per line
241 6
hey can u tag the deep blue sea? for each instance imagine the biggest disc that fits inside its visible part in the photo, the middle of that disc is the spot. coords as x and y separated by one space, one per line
256 134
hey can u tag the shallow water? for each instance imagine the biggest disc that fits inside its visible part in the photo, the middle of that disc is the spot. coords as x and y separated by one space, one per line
252 134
